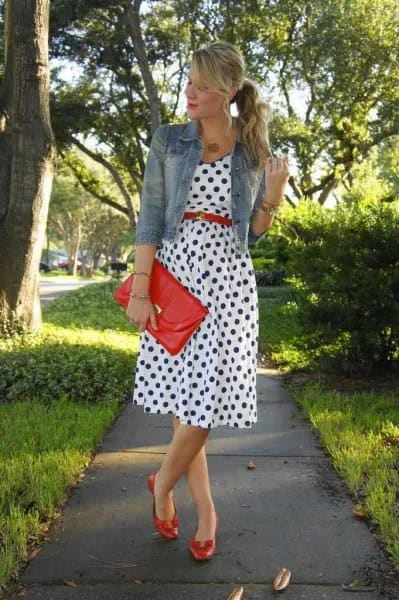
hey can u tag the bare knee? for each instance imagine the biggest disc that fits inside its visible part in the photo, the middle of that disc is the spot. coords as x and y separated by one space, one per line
201 431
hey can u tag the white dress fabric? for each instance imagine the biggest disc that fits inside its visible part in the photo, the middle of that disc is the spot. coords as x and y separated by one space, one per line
212 380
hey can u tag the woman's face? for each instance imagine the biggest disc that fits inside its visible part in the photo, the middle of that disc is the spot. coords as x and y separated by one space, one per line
201 102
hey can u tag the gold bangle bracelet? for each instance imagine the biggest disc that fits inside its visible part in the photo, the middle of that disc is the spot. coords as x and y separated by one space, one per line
270 210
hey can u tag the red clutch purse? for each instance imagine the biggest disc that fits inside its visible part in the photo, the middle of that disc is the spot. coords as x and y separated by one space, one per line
178 312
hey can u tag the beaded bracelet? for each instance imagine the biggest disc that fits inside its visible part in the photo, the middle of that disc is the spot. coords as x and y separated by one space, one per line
139 296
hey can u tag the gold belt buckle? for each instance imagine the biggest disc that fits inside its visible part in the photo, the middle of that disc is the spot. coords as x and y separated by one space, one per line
200 214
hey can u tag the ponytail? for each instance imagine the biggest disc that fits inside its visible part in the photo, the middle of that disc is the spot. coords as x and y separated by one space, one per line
253 119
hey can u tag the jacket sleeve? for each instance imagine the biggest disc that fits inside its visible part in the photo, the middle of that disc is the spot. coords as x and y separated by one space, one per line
252 237
150 223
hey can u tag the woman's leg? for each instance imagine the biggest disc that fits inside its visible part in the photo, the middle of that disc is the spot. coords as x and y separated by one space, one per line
186 454
198 479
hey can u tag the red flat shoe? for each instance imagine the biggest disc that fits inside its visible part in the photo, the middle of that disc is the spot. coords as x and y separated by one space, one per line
163 527
203 550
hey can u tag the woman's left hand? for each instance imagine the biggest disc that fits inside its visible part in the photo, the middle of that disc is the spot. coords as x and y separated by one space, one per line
277 173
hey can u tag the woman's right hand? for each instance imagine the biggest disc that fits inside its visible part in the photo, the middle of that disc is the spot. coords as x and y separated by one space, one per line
138 311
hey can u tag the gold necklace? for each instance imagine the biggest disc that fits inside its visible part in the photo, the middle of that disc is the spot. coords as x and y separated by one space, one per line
212 147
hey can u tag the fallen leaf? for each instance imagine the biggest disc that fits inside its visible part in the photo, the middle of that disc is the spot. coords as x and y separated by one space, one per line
34 553
281 580
358 511
71 583
251 465
352 584
237 594
138 581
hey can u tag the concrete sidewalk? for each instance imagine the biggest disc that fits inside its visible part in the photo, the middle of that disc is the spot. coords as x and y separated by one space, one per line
291 511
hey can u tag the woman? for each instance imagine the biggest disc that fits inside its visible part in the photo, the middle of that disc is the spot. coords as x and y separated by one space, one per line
210 187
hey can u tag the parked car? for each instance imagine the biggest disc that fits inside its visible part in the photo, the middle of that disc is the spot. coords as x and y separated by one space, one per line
64 265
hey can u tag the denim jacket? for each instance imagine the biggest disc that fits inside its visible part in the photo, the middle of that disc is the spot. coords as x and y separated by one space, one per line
174 154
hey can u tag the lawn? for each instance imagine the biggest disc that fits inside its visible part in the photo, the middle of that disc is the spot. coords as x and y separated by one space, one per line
61 391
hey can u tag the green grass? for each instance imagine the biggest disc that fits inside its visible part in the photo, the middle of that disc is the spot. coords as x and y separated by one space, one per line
361 432
43 448
61 391
359 429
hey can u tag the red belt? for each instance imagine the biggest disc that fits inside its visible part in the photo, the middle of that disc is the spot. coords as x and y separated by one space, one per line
207 216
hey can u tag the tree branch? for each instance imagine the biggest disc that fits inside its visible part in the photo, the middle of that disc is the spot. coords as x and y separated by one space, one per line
132 13
104 198
116 176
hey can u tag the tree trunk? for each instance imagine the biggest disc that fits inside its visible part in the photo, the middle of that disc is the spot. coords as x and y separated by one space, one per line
72 244
26 162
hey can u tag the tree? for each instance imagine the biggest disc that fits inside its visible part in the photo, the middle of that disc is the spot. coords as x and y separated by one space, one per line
26 161
68 207
376 179
339 56
126 59
342 59
80 223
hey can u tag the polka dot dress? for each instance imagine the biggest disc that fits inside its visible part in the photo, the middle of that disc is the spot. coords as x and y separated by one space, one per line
212 380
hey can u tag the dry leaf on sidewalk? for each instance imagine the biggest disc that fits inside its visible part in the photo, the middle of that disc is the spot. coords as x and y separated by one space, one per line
237 594
71 583
251 465
358 511
281 580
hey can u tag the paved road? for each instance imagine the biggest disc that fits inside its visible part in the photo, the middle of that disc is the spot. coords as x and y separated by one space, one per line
52 288
291 511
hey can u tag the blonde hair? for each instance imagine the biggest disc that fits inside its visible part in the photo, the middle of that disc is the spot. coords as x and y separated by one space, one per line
223 68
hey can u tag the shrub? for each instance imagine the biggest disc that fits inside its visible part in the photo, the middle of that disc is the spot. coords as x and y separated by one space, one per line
87 351
273 277
345 272
272 247
261 263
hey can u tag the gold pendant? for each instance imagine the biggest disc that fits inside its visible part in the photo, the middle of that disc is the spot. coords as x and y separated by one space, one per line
213 147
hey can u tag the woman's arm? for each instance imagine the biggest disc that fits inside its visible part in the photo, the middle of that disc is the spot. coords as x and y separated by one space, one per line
271 193
262 221
145 254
